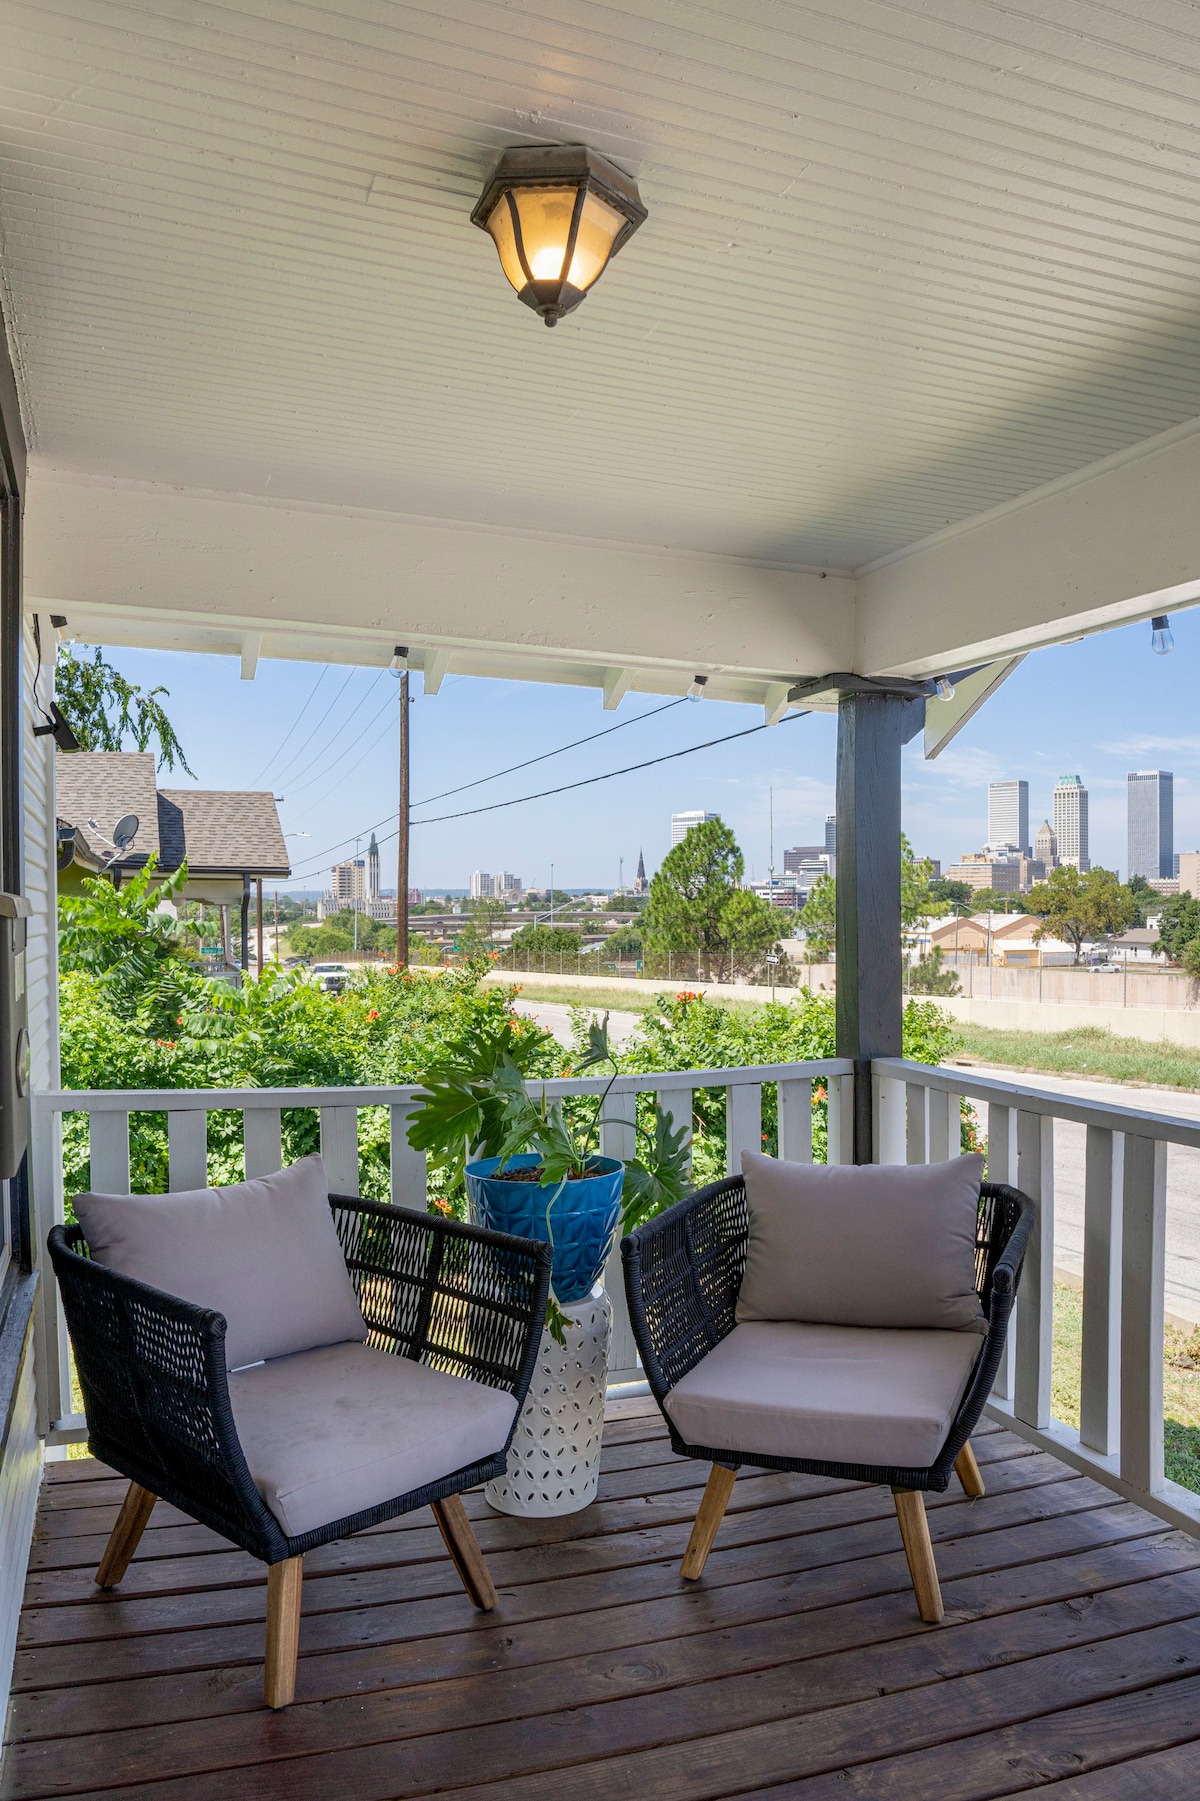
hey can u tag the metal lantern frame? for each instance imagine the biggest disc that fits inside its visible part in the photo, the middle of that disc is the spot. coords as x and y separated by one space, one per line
523 167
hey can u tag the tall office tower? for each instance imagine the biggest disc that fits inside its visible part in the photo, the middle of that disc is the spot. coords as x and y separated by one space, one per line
682 823
1151 814
482 885
507 883
800 856
1008 815
831 836
372 870
349 882
1045 846
1071 822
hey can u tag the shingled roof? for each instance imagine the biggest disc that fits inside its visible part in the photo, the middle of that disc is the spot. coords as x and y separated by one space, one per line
218 831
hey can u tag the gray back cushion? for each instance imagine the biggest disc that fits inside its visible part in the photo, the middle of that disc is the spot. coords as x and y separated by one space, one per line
264 1253
874 1244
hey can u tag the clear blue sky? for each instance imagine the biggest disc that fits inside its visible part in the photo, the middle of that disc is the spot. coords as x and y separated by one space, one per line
1096 708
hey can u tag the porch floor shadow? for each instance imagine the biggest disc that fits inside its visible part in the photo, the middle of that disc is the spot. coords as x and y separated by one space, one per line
1068 1662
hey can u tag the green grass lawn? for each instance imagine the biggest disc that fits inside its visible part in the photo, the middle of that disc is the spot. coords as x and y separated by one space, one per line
1089 1051
1181 1385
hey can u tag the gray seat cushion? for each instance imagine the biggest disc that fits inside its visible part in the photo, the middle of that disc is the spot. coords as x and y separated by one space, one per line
841 1394
330 1433
862 1244
264 1253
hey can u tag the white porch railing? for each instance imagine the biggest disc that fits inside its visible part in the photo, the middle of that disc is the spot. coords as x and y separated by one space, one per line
1120 1435
187 1112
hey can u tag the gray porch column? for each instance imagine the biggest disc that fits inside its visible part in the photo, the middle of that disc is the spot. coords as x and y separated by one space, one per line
875 721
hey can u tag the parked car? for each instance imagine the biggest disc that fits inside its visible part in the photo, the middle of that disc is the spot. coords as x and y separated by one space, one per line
332 977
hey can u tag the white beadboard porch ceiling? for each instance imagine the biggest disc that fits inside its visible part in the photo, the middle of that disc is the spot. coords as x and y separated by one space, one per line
903 261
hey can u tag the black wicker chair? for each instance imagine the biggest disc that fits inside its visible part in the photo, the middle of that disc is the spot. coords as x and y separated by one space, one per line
155 1391
683 1272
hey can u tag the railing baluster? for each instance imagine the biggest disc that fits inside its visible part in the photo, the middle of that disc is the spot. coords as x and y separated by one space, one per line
1002 1167
1100 1370
109 1154
916 1123
945 1132
891 1120
1143 1256
676 1103
1035 1296
408 1182
743 1123
51 1347
795 1121
617 1135
339 1148
262 1136
187 1148
839 1092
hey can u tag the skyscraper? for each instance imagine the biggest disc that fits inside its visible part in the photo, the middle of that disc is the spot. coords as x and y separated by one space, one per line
1150 794
682 823
831 841
1008 815
1071 822
372 870
1045 846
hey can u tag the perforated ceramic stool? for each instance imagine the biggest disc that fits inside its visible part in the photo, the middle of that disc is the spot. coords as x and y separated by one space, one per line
554 1456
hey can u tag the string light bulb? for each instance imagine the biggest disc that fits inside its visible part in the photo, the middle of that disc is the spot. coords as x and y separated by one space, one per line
1161 641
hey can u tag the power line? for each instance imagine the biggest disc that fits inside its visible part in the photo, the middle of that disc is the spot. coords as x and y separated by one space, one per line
280 773
345 725
385 708
300 715
636 719
567 787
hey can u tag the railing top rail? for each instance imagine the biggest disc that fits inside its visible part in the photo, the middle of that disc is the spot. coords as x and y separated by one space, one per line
1132 1120
214 1100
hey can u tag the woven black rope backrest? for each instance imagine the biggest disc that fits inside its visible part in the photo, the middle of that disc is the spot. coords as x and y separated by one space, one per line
999 1211
152 1372
446 1294
690 1266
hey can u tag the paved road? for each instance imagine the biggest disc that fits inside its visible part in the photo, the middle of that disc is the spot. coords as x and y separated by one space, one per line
1183 1179
553 1017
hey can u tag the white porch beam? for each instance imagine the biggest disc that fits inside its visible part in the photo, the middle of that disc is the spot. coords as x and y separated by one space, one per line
1115 542
436 668
775 702
143 562
617 683
251 645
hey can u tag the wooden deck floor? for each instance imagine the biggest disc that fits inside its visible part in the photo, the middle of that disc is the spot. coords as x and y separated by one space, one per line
1069 1660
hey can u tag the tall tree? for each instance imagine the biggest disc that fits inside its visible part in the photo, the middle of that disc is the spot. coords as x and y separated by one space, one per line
698 907
104 710
1076 907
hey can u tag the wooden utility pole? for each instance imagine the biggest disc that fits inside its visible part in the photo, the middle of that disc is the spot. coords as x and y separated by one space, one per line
402 842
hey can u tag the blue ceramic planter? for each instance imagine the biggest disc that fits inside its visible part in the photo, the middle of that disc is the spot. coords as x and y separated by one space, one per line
582 1216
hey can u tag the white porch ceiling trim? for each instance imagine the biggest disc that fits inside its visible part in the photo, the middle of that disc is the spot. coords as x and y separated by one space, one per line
143 564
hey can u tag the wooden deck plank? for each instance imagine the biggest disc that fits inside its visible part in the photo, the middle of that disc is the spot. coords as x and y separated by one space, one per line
679 1691
797 1664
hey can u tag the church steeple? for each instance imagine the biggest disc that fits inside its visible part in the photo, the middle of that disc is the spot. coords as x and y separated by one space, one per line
640 883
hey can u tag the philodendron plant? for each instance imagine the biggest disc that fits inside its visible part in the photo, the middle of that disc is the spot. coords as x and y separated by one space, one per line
479 1107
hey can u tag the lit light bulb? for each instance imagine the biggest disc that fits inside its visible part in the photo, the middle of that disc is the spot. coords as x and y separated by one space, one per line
546 264
1161 641
945 688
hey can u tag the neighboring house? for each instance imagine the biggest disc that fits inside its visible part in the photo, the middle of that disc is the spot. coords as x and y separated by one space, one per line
1011 939
228 839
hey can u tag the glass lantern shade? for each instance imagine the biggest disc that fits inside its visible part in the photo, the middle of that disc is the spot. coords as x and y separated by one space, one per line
555 237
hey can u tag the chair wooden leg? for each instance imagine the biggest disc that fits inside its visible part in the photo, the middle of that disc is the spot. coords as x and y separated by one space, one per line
123 1541
914 1530
284 1582
967 1471
717 1491
463 1547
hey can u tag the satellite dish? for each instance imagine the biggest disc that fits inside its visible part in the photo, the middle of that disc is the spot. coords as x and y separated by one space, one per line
125 831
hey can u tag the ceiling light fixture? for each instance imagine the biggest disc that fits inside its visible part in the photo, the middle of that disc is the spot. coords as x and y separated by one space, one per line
1161 641
556 214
